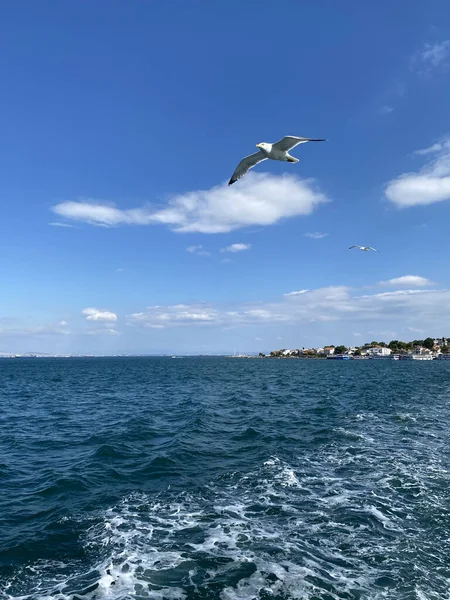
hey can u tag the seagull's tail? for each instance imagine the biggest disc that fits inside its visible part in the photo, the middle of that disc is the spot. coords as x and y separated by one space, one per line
292 159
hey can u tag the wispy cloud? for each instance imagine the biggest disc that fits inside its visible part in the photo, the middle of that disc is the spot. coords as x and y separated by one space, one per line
435 55
259 199
296 293
236 248
385 334
198 250
386 101
158 317
398 308
316 235
56 329
438 147
428 185
98 314
56 224
408 281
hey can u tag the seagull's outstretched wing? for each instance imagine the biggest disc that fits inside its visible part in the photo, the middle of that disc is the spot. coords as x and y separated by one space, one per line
290 141
247 163
354 247
374 249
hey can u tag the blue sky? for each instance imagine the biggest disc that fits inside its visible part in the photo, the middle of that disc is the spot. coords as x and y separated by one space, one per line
122 122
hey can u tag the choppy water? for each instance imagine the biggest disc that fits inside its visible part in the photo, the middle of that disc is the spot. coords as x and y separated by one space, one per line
221 478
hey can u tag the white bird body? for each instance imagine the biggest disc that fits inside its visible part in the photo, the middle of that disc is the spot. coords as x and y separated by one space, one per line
277 151
274 153
364 248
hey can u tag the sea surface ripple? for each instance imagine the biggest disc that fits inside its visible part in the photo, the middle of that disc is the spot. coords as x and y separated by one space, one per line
235 479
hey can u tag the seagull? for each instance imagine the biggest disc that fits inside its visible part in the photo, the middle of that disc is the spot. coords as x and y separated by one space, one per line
277 151
364 248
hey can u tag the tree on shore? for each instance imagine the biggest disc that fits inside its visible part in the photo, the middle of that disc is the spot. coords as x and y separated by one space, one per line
417 343
340 349
428 343
375 343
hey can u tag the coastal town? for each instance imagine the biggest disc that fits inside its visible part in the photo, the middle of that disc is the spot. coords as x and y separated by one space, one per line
426 349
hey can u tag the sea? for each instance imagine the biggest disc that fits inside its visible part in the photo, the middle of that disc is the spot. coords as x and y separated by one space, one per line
224 478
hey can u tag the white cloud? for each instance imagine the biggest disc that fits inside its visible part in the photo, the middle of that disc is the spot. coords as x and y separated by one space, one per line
356 334
408 281
386 110
62 225
285 311
324 307
438 147
430 184
296 293
316 235
258 199
236 248
120 270
434 55
159 317
97 314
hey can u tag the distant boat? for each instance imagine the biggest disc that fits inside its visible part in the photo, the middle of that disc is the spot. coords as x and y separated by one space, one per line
416 357
338 357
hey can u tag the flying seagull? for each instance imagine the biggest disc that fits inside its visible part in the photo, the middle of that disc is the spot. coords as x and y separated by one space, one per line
277 151
364 248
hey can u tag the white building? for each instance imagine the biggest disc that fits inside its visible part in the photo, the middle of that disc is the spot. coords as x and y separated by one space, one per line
379 352
328 350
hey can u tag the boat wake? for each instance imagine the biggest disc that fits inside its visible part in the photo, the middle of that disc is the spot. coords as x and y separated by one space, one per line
282 532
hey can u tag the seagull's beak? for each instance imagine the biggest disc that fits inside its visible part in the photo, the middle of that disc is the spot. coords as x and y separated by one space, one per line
258 145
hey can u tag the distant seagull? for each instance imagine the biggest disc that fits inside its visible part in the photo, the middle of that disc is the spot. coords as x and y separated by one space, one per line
364 248
277 151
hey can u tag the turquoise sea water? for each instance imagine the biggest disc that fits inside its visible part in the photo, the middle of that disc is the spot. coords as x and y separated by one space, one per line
224 478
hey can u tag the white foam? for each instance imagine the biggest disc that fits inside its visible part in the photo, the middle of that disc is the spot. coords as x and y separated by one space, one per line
279 531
